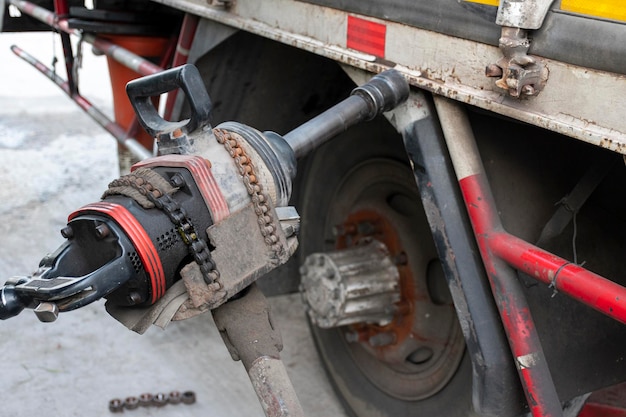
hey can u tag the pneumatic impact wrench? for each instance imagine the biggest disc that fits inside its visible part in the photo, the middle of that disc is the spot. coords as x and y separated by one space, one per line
211 194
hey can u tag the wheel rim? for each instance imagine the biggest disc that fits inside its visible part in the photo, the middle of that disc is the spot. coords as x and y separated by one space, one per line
414 356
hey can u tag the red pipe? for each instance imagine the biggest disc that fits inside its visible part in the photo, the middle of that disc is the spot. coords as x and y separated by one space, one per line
61 8
511 302
517 320
591 289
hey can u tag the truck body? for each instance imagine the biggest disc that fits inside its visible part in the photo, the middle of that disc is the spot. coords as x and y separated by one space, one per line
496 188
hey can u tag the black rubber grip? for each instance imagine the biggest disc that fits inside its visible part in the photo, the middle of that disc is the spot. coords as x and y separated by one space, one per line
186 77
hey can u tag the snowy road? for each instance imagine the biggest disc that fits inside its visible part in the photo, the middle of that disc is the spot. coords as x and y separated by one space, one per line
54 159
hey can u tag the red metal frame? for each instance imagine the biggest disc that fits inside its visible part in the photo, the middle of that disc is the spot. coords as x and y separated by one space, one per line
503 253
514 311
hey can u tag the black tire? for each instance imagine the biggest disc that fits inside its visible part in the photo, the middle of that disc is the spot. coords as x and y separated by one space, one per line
377 145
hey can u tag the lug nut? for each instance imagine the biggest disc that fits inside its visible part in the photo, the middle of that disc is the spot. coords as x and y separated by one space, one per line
148 400
160 399
175 397
116 405
145 399
131 403
188 397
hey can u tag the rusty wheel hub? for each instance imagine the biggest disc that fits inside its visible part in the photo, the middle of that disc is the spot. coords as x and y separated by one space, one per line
402 329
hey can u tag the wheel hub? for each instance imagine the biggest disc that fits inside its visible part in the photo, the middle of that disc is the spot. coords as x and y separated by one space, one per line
414 346
353 285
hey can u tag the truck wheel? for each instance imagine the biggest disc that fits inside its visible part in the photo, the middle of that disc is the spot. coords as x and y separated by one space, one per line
359 188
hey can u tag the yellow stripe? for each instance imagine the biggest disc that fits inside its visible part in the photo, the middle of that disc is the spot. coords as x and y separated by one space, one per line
487 2
608 9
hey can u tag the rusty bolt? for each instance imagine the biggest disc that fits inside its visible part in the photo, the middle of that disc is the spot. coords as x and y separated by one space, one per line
493 70
67 232
116 405
102 231
188 397
160 399
145 399
177 133
131 403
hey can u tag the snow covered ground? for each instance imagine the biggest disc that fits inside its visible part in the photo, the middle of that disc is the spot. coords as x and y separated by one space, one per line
54 159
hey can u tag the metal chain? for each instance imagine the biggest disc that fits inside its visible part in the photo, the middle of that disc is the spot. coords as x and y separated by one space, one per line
178 216
259 199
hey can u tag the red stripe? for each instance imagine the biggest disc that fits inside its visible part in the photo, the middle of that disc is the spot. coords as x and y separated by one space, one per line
514 312
200 170
138 237
366 36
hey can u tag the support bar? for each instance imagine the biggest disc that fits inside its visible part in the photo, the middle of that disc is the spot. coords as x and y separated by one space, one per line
110 126
123 56
580 284
515 314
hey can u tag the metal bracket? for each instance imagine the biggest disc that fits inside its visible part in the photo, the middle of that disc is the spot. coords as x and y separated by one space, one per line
520 74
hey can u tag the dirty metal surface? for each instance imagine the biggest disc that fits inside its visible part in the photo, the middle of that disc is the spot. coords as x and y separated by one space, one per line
577 102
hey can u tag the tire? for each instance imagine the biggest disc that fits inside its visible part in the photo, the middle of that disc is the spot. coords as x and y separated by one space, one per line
365 170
